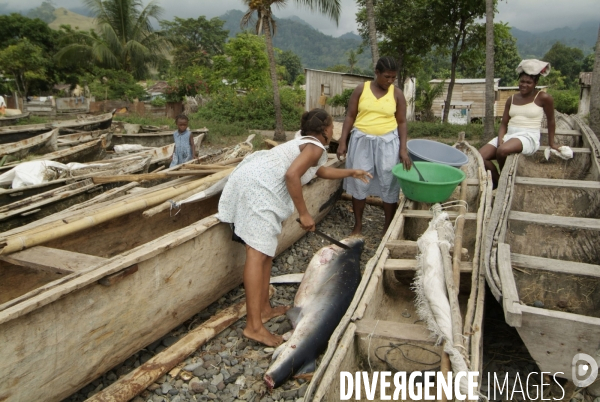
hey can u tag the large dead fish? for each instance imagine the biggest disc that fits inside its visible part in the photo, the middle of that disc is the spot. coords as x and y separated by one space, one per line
323 297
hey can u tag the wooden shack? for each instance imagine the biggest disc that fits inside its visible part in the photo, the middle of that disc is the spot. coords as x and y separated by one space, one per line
585 83
322 85
506 92
465 90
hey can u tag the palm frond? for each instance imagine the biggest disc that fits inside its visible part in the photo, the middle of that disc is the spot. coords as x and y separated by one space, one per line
330 8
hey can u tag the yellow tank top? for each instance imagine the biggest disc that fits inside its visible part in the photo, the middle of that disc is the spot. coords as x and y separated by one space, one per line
376 116
526 116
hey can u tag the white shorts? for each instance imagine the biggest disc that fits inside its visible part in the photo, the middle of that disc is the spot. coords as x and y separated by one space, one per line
529 137
377 154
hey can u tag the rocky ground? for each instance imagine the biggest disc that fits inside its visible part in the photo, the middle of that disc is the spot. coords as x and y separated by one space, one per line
230 367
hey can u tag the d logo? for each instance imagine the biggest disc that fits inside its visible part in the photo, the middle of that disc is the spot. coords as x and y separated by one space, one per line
584 370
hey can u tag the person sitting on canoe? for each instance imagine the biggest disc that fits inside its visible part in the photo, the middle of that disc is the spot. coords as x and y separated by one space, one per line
260 194
520 127
376 125
185 150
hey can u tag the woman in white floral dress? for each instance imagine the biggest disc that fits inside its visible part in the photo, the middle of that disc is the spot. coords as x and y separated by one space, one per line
260 194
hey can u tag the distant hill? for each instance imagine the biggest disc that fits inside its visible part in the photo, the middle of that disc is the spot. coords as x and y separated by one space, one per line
316 50
535 45
67 17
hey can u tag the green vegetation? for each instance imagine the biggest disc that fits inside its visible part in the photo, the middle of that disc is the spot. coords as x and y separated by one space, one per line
566 100
255 109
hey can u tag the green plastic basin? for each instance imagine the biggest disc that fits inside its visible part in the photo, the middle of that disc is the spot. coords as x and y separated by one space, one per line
441 181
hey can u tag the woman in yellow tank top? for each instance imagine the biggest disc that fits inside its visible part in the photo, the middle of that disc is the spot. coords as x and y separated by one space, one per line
377 118
520 127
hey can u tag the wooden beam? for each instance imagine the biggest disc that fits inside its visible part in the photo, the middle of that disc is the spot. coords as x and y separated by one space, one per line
409 249
575 133
554 220
510 296
153 176
537 181
52 259
394 264
419 213
575 150
119 276
550 264
473 181
394 331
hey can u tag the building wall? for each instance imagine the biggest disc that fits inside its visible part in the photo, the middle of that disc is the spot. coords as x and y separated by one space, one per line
584 101
471 92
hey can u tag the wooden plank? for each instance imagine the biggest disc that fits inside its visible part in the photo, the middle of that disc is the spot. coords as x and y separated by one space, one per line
537 181
394 331
418 213
394 264
409 249
575 133
510 296
52 259
554 220
473 181
549 264
575 150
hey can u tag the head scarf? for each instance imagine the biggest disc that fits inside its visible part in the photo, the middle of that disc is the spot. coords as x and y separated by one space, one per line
533 67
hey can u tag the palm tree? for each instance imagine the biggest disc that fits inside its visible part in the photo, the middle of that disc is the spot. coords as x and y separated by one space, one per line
595 91
266 24
352 60
372 31
488 132
125 39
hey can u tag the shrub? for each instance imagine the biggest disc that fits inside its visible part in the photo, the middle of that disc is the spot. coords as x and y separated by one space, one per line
255 109
341 99
159 101
565 101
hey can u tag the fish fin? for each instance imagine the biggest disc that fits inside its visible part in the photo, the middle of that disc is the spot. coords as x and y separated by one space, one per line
294 314
308 367
278 351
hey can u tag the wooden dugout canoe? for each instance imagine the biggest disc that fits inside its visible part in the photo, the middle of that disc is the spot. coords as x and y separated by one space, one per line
542 247
381 330
83 123
151 139
122 284
40 144
9 120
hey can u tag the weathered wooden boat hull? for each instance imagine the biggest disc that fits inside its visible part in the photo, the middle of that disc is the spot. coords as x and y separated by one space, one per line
42 143
10 120
85 123
158 139
70 140
542 256
57 340
382 330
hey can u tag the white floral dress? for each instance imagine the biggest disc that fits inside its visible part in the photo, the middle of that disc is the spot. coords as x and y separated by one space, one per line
256 199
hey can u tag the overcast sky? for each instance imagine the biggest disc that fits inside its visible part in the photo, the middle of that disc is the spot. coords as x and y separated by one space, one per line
527 15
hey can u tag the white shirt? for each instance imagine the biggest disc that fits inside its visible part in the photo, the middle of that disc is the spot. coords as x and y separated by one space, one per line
2 103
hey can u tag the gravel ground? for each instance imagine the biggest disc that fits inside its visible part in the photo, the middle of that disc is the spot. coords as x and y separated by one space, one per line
230 367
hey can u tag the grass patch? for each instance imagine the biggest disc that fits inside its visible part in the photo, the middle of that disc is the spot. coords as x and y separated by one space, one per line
32 120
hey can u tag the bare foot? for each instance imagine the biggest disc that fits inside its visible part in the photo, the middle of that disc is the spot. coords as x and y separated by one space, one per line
356 231
263 336
266 315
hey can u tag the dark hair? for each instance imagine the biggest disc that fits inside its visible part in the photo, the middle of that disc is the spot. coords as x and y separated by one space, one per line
386 63
535 77
181 117
315 121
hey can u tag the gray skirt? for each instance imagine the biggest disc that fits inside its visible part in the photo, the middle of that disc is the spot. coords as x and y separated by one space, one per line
377 154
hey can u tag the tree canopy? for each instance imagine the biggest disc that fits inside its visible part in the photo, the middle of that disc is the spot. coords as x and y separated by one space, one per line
566 59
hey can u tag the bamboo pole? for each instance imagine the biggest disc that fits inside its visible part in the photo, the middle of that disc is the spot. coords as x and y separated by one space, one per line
154 176
207 166
134 383
61 228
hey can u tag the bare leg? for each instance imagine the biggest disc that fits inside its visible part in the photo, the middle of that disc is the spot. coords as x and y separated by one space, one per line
389 210
359 207
512 146
488 153
254 271
267 312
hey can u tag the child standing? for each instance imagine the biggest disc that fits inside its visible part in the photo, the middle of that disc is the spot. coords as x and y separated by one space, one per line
185 149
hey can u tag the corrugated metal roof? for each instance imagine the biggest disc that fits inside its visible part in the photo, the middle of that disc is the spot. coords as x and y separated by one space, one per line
585 79
335 72
516 88
466 80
